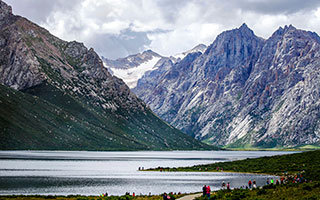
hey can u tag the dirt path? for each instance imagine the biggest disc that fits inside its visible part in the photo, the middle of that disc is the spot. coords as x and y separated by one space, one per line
190 197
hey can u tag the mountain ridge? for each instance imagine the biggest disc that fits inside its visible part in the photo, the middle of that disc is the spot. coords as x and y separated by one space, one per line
234 94
57 95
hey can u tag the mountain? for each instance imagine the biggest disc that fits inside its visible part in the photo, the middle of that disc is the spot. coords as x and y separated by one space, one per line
199 48
243 91
58 95
132 68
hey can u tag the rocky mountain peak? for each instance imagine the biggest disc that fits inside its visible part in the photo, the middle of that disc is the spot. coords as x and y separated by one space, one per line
150 52
289 28
5 9
199 48
5 12
244 29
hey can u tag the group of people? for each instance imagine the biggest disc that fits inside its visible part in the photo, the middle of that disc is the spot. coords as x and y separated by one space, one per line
224 185
169 196
252 184
206 190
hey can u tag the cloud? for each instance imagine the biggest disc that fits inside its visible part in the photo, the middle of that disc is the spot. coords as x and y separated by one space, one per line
117 28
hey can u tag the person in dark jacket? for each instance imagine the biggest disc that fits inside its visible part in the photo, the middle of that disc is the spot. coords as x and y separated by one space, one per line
204 190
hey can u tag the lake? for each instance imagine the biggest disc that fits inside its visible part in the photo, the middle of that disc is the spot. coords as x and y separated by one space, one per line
93 173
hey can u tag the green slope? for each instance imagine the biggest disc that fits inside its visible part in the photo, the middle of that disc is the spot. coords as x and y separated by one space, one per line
308 162
55 121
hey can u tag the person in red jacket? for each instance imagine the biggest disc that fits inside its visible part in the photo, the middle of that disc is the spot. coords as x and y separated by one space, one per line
250 184
208 191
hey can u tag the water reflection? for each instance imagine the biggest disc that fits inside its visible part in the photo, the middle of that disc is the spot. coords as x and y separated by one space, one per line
93 173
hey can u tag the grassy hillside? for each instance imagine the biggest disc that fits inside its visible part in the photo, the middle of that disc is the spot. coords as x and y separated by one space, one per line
277 165
305 191
306 163
54 120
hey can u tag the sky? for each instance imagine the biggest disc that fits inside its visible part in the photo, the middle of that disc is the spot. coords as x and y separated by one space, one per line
118 28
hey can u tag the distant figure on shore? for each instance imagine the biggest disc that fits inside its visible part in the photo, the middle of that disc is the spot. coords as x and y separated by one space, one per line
250 184
204 190
208 191
254 184
271 181
165 196
268 182
228 186
223 185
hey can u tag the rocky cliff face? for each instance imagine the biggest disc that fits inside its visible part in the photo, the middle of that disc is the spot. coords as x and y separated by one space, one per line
243 90
81 105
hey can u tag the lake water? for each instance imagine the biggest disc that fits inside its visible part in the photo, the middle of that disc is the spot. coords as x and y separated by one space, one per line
93 173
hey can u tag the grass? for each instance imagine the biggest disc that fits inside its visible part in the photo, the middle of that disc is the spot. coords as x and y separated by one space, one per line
304 191
45 118
308 162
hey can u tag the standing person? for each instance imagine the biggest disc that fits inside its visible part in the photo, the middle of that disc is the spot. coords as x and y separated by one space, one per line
228 186
249 184
271 181
204 190
223 185
208 191
165 196
268 181
254 184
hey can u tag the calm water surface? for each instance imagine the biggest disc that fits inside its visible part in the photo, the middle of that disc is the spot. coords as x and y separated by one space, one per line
93 173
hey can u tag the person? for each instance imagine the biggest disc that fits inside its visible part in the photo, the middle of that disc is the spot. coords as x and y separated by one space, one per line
165 196
133 194
268 181
171 196
228 186
254 184
208 191
271 181
204 190
223 185
249 184
277 182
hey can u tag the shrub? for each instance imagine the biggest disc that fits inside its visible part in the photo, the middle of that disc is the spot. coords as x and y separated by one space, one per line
261 192
307 187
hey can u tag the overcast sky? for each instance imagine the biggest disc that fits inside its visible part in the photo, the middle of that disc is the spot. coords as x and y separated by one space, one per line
117 28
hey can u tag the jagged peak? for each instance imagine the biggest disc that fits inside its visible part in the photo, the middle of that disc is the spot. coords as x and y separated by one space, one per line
289 28
150 52
5 10
199 47
291 31
244 26
245 29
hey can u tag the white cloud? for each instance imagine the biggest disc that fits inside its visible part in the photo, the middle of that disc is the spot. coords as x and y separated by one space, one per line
116 28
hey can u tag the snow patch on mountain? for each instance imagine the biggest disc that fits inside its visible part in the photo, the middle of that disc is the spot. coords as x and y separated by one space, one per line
132 75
